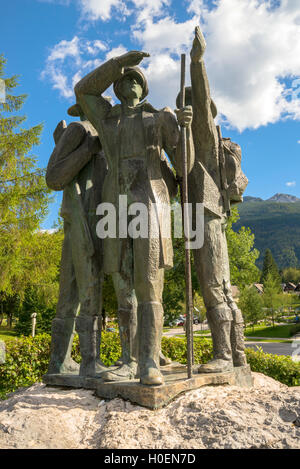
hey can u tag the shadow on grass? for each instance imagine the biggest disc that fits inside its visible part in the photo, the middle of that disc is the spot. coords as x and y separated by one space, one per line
7 334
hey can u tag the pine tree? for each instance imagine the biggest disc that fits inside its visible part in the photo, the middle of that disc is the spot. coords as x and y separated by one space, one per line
24 196
270 268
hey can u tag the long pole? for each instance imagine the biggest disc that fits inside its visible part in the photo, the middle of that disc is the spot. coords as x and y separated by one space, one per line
184 202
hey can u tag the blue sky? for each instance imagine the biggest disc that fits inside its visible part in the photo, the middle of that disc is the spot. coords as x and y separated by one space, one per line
252 57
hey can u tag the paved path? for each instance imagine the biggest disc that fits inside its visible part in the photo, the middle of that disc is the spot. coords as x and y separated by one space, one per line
276 348
180 331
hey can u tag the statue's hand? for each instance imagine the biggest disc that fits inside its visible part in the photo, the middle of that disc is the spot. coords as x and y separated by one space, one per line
184 116
199 46
132 58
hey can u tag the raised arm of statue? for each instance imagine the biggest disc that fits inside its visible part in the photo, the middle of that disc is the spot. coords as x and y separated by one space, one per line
204 129
90 88
72 152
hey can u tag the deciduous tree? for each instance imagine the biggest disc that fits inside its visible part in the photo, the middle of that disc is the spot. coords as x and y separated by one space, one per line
251 305
242 254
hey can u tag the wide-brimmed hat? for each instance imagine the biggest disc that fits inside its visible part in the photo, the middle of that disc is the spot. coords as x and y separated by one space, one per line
188 97
137 72
75 110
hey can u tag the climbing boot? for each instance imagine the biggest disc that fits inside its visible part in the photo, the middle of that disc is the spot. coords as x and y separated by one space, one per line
220 319
87 328
61 347
163 360
237 338
150 324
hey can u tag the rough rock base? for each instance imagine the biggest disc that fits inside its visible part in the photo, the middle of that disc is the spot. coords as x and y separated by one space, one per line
154 397
211 417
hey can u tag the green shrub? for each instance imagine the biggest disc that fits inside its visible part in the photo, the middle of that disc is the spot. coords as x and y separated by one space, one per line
26 362
27 359
282 368
175 348
295 329
110 350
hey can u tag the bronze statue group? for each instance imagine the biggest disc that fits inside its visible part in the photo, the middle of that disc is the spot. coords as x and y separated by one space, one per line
119 150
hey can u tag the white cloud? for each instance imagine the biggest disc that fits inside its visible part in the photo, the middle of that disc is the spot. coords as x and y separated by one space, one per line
165 39
75 79
251 48
252 56
50 231
146 10
197 7
102 9
298 141
60 82
68 62
64 49
120 50
290 184
163 75
58 79
93 47
253 52
165 35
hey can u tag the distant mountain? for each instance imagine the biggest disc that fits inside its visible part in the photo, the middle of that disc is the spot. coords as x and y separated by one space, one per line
283 198
249 198
276 225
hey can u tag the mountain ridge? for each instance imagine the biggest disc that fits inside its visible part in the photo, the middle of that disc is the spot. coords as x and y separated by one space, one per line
278 197
275 225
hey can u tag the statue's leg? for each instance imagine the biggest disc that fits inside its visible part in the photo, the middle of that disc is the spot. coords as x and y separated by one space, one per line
220 325
148 282
67 307
150 321
127 308
127 318
88 323
237 326
208 264
100 324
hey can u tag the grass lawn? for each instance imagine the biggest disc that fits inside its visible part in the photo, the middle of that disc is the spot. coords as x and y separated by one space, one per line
6 334
269 341
263 331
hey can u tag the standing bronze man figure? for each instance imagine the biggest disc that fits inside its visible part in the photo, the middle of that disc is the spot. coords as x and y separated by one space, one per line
133 135
78 167
216 180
